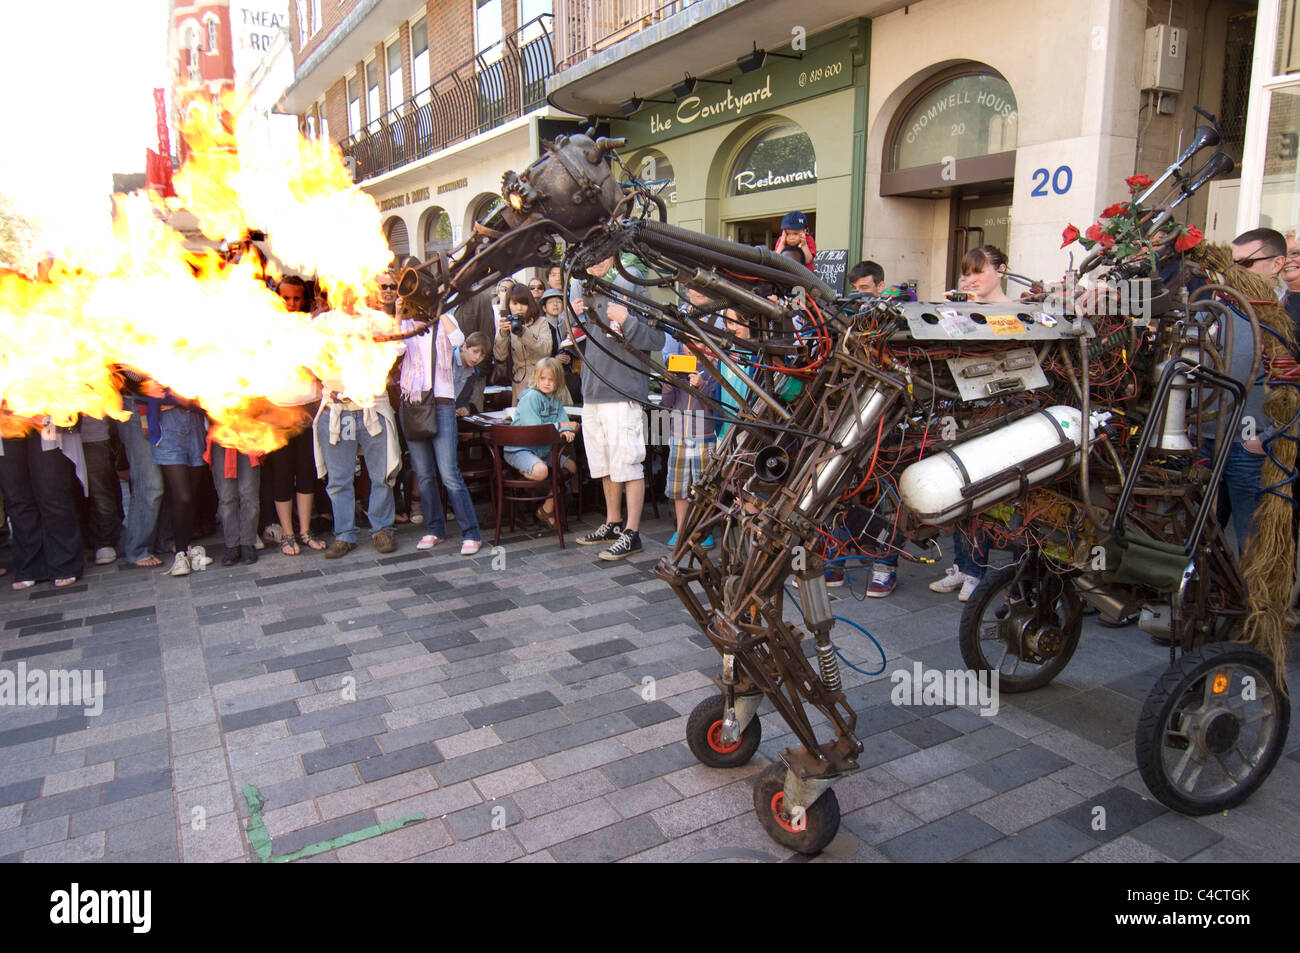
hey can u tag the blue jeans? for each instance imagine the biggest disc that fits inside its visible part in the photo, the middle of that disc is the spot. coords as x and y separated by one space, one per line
239 497
340 465
970 551
146 490
442 449
1240 490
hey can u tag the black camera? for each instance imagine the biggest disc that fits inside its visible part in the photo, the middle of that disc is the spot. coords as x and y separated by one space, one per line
516 324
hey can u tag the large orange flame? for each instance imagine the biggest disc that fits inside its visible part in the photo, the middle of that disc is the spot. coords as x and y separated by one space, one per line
209 330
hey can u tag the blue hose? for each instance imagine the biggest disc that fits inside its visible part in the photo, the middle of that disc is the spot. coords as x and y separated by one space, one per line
879 648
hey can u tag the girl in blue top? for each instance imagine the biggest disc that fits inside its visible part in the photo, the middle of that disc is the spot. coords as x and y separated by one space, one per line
540 404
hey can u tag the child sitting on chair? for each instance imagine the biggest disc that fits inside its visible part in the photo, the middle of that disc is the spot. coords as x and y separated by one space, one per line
540 404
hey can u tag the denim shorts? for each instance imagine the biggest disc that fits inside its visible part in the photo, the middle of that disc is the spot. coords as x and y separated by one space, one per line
184 437
524 460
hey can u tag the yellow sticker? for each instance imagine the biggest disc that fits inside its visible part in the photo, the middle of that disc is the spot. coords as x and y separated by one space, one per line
1005 324
682 363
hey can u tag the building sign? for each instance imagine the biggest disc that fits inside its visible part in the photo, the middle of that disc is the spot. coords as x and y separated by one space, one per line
254 27
777 158
405 198
451 186
966 117
748 180
778 83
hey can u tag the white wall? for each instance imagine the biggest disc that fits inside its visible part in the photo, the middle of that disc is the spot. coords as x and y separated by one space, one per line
1073 68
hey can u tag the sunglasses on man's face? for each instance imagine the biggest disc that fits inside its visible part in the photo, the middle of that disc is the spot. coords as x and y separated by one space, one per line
1247 262
388 287
535 287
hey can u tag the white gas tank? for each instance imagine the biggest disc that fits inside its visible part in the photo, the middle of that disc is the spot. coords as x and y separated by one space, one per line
932 488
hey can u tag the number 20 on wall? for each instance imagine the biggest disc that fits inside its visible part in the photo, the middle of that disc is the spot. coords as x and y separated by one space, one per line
1061 181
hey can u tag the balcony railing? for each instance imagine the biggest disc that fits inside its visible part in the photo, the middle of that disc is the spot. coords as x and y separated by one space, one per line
476 96
584 27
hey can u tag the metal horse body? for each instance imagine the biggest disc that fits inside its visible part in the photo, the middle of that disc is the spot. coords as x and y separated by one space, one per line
837 400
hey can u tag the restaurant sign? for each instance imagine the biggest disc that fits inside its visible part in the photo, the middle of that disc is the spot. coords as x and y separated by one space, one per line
778 83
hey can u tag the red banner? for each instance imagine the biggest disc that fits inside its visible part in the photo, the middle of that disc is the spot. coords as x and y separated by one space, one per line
160 116
158 165
158 173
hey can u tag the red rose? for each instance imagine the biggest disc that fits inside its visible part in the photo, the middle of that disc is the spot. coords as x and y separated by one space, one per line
1094 233
1119 208
1069 236
1138 182
1190 238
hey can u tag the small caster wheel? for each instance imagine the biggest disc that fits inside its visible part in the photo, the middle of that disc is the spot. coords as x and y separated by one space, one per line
806 833
704 736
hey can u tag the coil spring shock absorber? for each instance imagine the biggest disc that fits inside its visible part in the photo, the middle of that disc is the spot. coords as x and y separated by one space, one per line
815 602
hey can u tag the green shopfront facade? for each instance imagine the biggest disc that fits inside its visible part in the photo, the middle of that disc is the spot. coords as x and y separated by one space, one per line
728 159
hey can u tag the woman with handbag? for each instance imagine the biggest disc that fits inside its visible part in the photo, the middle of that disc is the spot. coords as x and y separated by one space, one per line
428 417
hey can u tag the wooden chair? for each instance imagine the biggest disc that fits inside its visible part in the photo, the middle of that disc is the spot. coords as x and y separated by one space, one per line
516 489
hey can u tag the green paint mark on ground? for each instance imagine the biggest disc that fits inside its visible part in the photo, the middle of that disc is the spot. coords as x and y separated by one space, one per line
260 838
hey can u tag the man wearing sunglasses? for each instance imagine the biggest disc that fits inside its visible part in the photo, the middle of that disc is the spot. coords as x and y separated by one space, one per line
1261 251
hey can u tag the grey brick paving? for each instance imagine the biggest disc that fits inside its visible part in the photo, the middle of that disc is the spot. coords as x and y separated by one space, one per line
507 707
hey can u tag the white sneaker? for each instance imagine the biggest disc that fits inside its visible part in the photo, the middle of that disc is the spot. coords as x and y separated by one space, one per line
273 533
199 558
951 582
105 555
967 588
180 566
417 519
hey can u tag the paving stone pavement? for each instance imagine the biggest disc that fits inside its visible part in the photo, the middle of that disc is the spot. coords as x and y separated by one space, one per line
530 703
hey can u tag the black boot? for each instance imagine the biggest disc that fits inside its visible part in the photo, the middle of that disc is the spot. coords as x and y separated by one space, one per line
250 555
231 556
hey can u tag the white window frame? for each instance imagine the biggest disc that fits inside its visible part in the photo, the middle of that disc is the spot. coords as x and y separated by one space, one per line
479 45
210 33
354 118
420 84
400 97
1263 83
315 17
323 124
535 32
304 23
372 109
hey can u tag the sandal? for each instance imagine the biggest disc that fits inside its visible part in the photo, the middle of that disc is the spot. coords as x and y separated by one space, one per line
311 541
64 582
545 517
289 545
22 584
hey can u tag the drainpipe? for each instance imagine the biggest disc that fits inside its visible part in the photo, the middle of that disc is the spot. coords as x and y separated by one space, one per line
858 180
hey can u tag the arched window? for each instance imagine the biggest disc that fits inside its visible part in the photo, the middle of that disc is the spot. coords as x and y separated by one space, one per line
398 243
436 230
778 157
960 128
211 23
484 207
656 171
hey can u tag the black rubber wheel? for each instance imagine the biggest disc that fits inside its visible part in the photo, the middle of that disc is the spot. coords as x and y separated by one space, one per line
704 736
1212 729
805 834
1022 625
